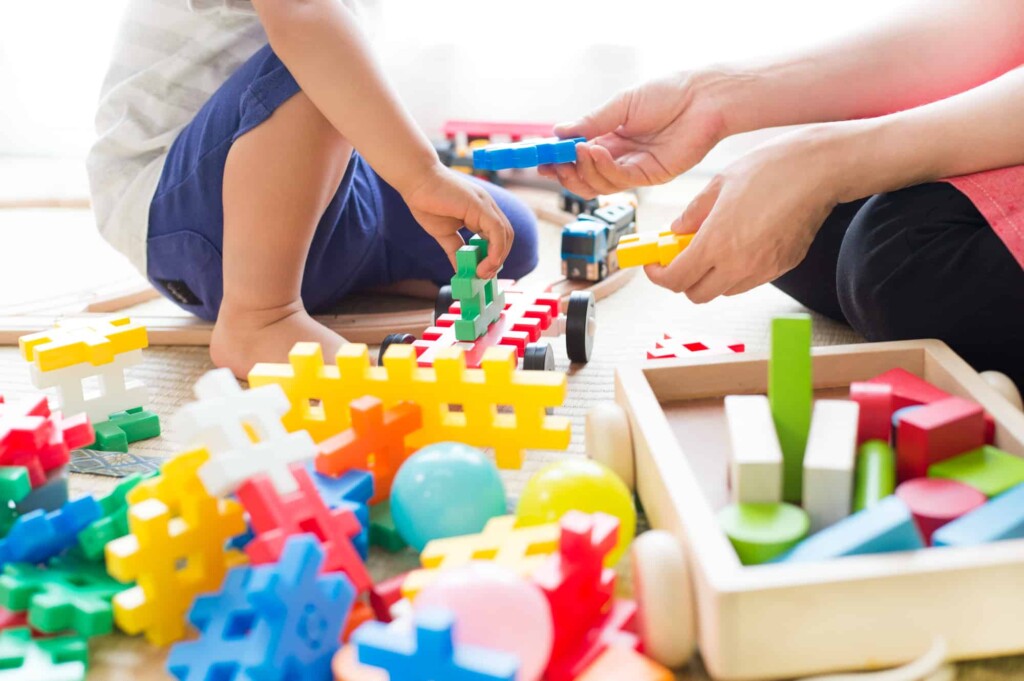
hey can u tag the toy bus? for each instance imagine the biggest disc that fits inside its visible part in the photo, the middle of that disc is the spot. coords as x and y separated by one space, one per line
589 243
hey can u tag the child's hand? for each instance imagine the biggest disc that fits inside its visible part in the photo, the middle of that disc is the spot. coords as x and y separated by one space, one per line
442 202
756 219
646 135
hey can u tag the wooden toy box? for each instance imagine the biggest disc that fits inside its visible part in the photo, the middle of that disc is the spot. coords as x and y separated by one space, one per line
778 621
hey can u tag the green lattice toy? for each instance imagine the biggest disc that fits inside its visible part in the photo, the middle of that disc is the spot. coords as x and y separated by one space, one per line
383 531
14 486
70 594
480 300
124 427
114 522
50 659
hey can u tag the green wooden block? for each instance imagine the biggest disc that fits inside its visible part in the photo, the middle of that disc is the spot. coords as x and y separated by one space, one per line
761 532
114 523
23 658
989 470
791 396
876 474
383 532
14 484
137 424
69 594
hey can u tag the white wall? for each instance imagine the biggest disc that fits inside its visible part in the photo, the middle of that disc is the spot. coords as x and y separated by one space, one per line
522 59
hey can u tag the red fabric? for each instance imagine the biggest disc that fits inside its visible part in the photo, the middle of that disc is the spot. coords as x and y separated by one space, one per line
999 196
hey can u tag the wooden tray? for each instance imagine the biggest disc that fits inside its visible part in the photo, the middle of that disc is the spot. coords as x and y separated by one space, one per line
776 621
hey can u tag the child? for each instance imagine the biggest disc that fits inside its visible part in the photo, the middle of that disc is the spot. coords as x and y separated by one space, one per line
851 217
255 164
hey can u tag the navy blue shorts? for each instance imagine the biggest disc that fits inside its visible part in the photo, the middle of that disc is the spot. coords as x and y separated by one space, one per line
366 238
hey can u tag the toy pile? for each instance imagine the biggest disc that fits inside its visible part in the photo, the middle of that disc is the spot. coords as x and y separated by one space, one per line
899 465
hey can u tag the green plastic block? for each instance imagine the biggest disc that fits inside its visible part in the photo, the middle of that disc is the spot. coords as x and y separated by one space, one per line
69 594
468 330
791 394
876 474
137 424
466 287
8 514
23 658
109 438
761 532
383 532
989 470
14 484
114 522
468 258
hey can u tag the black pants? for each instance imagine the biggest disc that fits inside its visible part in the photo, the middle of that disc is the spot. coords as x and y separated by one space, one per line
918 263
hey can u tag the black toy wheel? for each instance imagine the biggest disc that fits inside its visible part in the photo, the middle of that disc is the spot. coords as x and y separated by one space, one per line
580 326
443 302
393 339
539 357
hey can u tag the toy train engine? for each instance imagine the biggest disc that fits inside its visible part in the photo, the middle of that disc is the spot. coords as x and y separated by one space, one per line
589 243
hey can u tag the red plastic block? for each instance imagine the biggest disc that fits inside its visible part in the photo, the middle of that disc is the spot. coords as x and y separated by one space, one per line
937 501
936 432
578 587
617 628
375 443
275 517
488 129
385 594
41 441
678 347
875 400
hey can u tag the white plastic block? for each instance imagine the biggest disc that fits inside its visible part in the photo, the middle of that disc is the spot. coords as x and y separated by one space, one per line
829 462
755 455
221 421
113 391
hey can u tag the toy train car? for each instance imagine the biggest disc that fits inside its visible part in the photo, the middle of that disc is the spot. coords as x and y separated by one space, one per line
589 243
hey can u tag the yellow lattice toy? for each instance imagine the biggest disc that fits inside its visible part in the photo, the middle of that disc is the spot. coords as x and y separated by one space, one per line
95 342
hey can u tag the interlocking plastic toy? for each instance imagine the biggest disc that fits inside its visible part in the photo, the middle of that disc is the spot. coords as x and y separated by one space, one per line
49 496
383 531
375 442
521 549
677 347
481 300
436 390
114 521
651 248
270 622
175 549
38 536
69 594
23 658
275 517
351 492
38 439
243 432
430 652
14 487
68 355
526 154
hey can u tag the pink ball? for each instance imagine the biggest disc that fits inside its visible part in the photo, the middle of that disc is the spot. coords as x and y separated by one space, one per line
497 609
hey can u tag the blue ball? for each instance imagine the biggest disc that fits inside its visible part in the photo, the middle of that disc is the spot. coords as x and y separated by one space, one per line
446 489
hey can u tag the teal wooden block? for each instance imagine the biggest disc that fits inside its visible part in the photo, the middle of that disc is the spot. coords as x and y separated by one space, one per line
1000 519
989 470
791 395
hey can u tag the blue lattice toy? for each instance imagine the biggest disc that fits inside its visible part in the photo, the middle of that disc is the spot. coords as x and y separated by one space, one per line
38 536
270 622
526 154
351 491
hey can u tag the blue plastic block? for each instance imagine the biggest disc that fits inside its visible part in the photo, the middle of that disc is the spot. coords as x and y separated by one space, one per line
430 653
526 154
351 491
883 528
1000 519
900 413
49 496
38 536
273 622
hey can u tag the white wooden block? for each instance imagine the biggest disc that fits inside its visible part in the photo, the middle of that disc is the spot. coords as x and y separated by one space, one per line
829 462
756 457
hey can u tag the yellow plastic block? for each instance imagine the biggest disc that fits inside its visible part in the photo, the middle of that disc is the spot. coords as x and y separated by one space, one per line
477 393
649 248
94 342
175 549
520 549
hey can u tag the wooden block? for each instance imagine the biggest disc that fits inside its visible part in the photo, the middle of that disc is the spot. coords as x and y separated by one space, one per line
936 501
790 393
761 532
886 527
936 432
619 663
876 474
756 457
829 462
907 389
986 469
1000 519
875 400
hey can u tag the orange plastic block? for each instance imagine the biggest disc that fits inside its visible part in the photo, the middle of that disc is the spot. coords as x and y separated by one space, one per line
374 443
457 404
361 612
650 248
346 667
521 549
175 549
94 342
619 663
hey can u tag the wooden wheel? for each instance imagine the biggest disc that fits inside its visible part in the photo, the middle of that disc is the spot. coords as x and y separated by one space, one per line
666 613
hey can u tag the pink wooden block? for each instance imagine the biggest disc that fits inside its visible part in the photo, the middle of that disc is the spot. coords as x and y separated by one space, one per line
937 501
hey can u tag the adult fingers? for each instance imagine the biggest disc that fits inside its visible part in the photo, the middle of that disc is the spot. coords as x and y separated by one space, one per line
621 175
698 210
710 286
605 118
569 176
589 173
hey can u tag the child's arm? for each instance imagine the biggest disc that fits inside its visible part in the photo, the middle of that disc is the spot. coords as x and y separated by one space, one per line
321 44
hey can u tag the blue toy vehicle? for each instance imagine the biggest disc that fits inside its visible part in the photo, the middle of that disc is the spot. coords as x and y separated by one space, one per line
589 243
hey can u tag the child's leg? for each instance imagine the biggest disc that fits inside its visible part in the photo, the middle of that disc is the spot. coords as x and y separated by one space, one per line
923 263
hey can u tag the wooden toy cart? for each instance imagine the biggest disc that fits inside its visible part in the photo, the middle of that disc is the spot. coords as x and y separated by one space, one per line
785 620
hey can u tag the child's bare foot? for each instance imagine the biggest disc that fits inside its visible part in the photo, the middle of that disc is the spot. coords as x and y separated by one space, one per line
243 337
